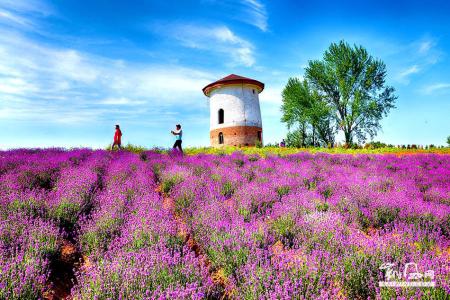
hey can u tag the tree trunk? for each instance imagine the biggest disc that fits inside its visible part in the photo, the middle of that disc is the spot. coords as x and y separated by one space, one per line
348 138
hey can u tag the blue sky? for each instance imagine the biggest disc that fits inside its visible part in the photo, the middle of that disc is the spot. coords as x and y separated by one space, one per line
70 70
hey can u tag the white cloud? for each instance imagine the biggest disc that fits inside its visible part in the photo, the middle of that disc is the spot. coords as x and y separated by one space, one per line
120 101
53 84
219 39
403 76
35 7
271 95
413 58
430 89
8 17
256 14
16 86
252 12
25 14
411 70
72 65
425 46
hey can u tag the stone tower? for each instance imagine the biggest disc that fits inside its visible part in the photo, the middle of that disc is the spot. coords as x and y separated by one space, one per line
235 116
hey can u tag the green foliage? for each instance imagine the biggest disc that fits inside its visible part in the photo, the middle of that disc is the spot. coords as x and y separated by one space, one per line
29 206
377 145
230 258
327 193
283 151
239 162
362 219
156 168
175 242
134 148
31 180
253 158
66 213
304 108
245 213
345 90
104 231
310 183
170 181
448 140
322 206
359 268
184 201
296 139
158 277
227 189
283 190
284 228
141 239
385 215
261 207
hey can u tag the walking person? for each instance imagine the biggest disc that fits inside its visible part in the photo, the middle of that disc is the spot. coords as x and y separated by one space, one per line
178 133
117 138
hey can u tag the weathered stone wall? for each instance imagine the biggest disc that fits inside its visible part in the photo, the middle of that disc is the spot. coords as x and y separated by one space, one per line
236 136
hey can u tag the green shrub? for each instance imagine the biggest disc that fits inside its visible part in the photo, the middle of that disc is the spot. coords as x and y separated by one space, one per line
31 180
66 213
362 220
261 207
239 162
245 213
169 182
253 158
385 215
156 168
228 258
322 206
175 242
359 271
327 192
142 239
30 207
283 190
183 201
134 148
98 239
284 228
227 189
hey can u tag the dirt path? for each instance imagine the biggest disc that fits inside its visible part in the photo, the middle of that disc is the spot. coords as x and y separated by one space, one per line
63 269
218 277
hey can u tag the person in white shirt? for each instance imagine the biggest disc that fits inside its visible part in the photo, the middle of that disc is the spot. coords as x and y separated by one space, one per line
178 133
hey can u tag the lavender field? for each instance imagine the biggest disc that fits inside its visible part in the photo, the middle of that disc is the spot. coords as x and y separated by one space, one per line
86 224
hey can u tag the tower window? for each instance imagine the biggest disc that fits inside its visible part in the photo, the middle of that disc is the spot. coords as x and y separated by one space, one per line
253 91
259 136
220 138
221 116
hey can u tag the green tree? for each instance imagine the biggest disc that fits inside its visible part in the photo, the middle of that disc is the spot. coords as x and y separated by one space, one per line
306 111
448 140
352 83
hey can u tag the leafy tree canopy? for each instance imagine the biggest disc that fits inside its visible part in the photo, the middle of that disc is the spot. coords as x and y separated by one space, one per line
345 91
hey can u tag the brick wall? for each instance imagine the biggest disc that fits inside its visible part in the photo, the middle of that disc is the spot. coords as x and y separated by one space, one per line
235 136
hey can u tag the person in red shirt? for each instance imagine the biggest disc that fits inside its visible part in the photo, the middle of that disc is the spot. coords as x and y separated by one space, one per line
117 138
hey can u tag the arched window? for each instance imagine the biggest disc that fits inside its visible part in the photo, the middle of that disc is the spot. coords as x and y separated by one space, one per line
259 136
220 138
221 116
